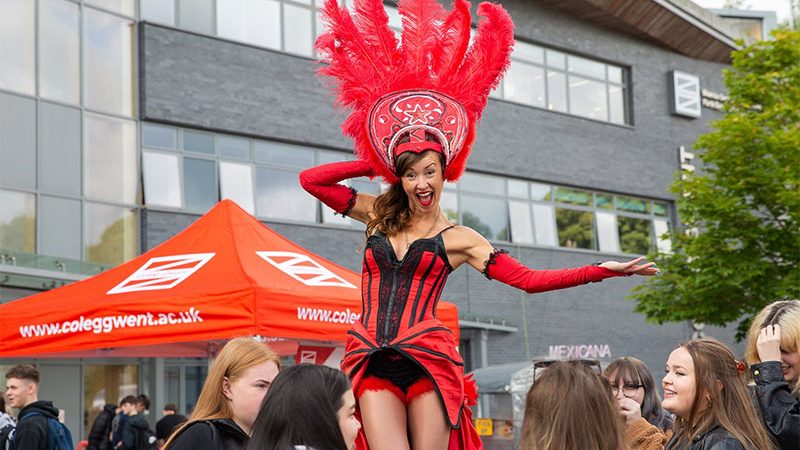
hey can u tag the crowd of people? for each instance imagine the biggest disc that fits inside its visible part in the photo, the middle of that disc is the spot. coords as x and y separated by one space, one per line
711 402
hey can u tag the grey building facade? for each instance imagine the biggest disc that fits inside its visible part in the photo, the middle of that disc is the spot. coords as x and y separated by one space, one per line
574 156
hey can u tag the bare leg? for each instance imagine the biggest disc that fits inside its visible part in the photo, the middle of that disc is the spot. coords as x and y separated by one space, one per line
383 417
427 424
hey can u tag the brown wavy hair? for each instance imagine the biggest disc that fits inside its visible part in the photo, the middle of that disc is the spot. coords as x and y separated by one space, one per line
392 213
570 406
235 357
728 404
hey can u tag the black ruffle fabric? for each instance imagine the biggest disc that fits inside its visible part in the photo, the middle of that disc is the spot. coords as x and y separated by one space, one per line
490 261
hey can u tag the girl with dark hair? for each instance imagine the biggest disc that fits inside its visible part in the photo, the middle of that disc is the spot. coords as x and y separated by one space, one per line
570 407
773 349
310 407
704 387
647 425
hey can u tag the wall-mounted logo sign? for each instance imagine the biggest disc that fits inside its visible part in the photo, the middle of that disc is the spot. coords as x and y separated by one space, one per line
685 94
592 351
304 269
713 100
163 272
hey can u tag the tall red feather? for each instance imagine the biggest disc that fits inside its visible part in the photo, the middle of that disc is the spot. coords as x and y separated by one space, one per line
420 30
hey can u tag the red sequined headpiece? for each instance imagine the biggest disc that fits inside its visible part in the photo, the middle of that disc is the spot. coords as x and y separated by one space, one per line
424 94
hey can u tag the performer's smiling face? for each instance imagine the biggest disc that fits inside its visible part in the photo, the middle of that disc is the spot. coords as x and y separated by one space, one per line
423 181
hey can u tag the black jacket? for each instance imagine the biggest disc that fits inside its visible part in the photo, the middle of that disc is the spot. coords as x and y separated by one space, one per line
168 424
714 439
779 408
101 427
199 435
131 429
31 432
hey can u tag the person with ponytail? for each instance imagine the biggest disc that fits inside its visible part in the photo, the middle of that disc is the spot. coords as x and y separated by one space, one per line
705 388
773 350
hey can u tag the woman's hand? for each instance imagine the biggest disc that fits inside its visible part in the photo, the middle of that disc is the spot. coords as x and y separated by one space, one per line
630 410
630 267
769 343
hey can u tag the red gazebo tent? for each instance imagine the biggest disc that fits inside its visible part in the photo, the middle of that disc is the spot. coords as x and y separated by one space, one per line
226 275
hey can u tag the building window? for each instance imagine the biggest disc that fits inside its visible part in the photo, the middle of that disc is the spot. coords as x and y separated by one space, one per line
180 167
17 46
108 73
17 221
110 175
59 51
110 233
558 81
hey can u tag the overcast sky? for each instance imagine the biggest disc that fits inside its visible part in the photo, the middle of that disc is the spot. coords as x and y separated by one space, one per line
781 7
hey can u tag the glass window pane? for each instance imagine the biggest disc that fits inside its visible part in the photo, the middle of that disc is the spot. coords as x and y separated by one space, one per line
484 184
586 67
395 21
660 209
365 186
575 228
279 196
160 11
616 104
604 201
630 204
17 141
607 232
172 387
106 384
108 72
573 196
297 29
448 202
195 377
587 98
236 183
556 91
110 235
125 7
162 185
663 242
540 191
253 21
17 46
544 225
110 159
521 226
59 227
59 64
524 83
199 184
517 188
196 15
59 149
635 235
614 74
489 217
528 52
198 142
158 136
18 221
233 147
556 59
283 154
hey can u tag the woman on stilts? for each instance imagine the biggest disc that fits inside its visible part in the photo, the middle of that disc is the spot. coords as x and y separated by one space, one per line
414 109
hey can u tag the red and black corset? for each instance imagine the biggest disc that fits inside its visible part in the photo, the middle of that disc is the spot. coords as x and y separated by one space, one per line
397 294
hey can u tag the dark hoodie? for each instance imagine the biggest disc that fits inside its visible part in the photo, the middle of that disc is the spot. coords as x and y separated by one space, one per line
101 428
131 430
31 432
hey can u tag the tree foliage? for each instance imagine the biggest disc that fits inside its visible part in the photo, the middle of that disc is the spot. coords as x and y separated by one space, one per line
745 203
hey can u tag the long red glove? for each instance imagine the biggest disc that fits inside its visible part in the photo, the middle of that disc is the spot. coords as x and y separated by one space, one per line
323 183
502 267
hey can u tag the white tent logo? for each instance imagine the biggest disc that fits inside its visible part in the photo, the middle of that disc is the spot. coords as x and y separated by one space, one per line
304 269
163 272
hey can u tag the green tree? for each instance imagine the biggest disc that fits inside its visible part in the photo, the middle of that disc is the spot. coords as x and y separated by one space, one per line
745 204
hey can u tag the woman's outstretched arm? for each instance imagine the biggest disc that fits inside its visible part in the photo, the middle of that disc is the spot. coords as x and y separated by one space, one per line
469 247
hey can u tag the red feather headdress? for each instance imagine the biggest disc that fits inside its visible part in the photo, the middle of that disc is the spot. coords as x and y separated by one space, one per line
426 93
